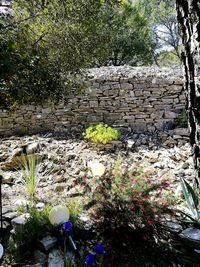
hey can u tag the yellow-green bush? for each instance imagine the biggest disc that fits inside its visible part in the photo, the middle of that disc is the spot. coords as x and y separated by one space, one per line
101 133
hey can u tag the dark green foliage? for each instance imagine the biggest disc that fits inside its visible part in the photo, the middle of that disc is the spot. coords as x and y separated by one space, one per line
162 19
127 36
26 73
29 75
44 42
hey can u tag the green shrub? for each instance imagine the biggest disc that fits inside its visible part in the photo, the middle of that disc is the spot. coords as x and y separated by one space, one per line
128 205
101 133
132 195
36 227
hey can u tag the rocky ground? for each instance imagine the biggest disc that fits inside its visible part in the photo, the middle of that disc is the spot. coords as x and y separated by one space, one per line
64 161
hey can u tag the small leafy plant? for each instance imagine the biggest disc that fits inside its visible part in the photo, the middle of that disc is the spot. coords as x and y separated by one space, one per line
101 133
36 227
30 169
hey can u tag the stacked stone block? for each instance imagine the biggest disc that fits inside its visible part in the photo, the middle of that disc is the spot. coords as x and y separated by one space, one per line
141 99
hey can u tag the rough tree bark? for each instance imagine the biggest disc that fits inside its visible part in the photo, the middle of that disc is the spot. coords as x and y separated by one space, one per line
188 14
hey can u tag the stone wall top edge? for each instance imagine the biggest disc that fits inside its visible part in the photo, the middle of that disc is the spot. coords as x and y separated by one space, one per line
107 73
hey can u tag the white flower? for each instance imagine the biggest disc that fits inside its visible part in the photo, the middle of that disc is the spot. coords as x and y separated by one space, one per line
58 215
97 168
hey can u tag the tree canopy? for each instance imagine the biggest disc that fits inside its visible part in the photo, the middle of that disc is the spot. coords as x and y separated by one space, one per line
163 21
129 39
43 41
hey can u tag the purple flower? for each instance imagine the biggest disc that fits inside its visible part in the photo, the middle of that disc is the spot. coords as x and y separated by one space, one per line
67 228
90 259
99 249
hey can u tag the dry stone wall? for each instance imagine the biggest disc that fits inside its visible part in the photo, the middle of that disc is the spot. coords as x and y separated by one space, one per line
141 99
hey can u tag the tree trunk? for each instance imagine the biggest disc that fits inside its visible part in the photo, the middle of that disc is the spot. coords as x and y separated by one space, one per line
188 12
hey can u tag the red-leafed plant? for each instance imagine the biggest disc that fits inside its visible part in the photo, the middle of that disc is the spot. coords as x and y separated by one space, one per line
130 196
128 207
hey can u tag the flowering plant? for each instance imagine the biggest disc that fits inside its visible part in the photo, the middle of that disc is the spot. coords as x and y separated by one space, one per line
128 205
130 195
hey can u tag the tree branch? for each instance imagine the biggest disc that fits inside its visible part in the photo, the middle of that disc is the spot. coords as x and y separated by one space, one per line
19 21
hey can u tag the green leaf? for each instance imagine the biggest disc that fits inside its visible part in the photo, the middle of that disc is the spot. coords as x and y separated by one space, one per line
190 197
